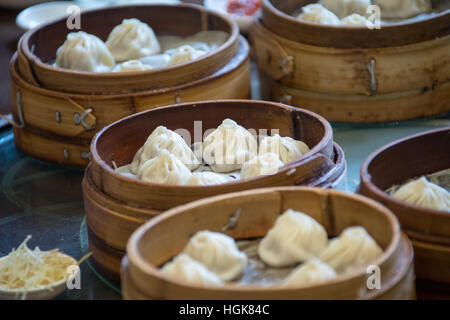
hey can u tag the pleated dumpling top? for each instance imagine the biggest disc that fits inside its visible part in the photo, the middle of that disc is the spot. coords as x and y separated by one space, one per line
353 249
295 237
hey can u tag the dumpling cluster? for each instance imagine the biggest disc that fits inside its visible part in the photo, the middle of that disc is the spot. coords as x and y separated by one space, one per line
424 194
297 238
318 14
344 8
209 258
132 46
354 248
166 158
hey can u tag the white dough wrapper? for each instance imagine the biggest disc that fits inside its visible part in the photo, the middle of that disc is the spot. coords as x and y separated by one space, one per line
344 8
217 252
402 9
295 237
287 148
265 164
184 268
318 14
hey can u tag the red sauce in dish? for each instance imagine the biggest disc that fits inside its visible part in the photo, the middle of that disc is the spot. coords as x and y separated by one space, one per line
243 7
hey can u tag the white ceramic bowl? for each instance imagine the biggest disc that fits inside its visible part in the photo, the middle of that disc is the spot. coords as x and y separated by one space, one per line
42 293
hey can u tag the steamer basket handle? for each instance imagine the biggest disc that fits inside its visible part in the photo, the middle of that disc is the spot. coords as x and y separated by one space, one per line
272 58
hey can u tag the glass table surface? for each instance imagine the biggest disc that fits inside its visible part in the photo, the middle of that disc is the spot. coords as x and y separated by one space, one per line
45 200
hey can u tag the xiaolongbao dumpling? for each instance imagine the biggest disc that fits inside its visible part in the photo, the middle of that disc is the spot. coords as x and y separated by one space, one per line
217 252
318 14
354 248
207 179
84 52
131 66
354 20
311 272
228 147
185 53
265 164
184 268
164 139
287 148
126 171
402 9
344 8
132 39
164 169
424 194
294 238
156 61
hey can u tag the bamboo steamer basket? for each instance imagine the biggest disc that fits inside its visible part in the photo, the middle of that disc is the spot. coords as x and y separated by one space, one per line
153 244
56 125
116 206
350 74
428 229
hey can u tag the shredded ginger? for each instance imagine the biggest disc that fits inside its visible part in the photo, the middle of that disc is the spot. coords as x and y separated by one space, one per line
24 269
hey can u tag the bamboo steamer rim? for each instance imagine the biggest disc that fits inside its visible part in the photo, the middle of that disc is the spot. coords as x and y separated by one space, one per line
328 136
366 178
122 76
140 263
236 62
298 30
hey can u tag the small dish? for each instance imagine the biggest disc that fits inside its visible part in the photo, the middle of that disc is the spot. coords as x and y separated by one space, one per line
244 22
41 293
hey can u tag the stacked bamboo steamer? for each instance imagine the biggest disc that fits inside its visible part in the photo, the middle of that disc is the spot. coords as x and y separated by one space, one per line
164 237
58 111
429 229
116 205
352 74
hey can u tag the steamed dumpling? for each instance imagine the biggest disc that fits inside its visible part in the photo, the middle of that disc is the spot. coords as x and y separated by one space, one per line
184 268
354 20
228 147
287 148
84 52
265 164
164 169
131 66
217 252
312 272
185 53
132 39
126 171
295 237
164 139
318 14
402 9
354 248
344 8
424 194
207 179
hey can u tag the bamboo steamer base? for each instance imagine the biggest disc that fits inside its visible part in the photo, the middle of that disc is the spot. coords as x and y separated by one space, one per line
362 108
